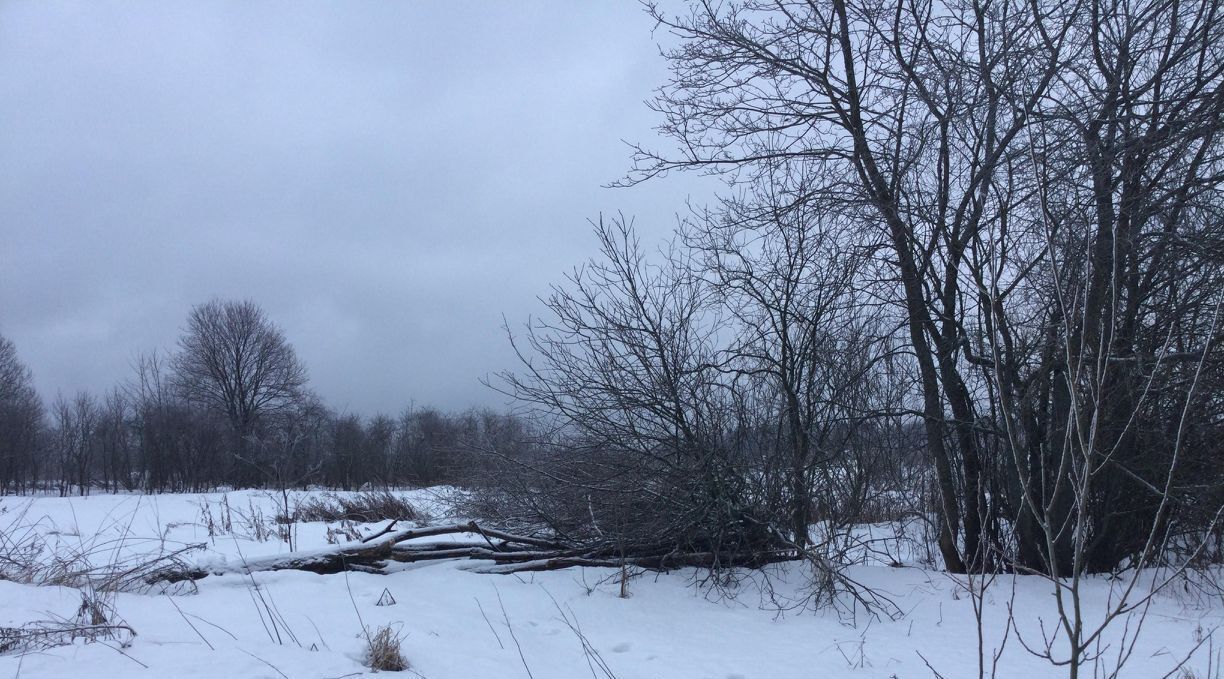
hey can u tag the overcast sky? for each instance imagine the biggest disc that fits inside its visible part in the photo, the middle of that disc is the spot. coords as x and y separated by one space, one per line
385 179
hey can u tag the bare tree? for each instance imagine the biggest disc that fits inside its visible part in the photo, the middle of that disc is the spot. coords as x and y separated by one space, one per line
21 414
975 145
345 468
379 454
1114 420
861 100
76 441
115 441
295 441
233 359
158 420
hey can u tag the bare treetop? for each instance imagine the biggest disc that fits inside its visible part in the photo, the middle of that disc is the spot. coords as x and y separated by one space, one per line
233 358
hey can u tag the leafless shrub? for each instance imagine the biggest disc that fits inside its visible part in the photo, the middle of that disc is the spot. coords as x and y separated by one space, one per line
703 409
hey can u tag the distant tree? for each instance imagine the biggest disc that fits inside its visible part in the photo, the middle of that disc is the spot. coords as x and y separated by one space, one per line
233 359
379 450
21 414
153 419
115 442
76 440
348 446
294 441
425 440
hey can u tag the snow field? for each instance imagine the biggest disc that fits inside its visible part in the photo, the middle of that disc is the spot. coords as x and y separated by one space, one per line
458 624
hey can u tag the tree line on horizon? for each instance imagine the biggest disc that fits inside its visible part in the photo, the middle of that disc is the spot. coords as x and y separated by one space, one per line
230 407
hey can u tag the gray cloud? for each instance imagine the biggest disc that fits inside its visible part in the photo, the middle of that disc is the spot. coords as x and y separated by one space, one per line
386 180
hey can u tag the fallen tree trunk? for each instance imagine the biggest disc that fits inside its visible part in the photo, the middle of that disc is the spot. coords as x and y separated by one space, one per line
507 552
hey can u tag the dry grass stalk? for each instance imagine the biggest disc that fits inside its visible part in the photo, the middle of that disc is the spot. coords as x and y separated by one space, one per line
367 507
383 652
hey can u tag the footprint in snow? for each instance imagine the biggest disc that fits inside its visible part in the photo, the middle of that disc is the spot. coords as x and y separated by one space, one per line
621 647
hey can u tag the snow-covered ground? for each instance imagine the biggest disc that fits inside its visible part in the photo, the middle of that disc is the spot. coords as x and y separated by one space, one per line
459 624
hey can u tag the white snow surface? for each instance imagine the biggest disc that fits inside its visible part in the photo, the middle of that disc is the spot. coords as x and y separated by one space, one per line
458 624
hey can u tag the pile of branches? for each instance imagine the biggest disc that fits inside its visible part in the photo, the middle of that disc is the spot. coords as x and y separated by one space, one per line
495 551
569 509
504 553
710 521
573 505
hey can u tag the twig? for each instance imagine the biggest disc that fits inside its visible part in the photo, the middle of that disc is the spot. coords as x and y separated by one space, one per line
490 624
193 627
513 636
265 662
